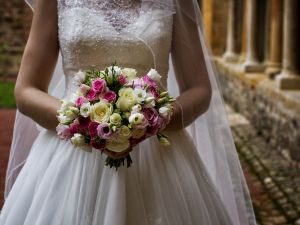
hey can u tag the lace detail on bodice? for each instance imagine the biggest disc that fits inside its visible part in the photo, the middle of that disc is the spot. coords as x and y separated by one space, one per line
96 33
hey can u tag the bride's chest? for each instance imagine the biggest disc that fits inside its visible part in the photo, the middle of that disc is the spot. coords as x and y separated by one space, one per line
88 34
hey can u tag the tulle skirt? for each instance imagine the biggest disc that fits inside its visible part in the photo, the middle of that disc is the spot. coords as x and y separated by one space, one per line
62 185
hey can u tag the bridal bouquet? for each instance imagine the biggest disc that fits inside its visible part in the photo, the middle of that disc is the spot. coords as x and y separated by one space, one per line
115 110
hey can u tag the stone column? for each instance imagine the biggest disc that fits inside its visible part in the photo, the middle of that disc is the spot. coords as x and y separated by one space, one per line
231 54
251 63
244 32
275 51
267 29
290 74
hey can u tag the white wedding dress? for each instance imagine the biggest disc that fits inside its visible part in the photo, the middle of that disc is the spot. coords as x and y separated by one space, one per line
61 185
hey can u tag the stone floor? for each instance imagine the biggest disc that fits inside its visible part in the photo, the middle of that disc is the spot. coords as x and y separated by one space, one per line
273 178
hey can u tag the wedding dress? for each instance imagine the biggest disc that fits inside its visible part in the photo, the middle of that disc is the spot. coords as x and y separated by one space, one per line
61 185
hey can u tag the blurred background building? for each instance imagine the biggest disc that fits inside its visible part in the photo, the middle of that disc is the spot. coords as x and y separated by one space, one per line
255 45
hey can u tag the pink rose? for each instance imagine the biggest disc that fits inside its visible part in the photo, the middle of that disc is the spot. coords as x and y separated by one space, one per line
149 81
110 96
63 131
153 91
99 85
122 79
92 95
80 100
93 129
104 131
151 115
100 145
74 128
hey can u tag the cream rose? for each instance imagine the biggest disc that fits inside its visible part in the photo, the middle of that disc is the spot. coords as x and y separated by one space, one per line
126 99
125 132
129 73
115 119
117 145
101 112
138 133
78 140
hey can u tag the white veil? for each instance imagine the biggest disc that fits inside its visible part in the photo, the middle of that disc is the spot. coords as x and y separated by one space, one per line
210 131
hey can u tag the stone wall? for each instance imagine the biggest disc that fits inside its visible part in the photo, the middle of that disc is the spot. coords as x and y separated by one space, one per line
15 20
274 113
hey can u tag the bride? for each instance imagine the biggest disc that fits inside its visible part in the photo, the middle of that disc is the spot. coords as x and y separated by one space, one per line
197 180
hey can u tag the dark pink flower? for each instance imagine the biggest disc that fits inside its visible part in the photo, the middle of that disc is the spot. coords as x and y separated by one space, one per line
110 96
93 129
74 128
151 115
91 95
99 144
99 85
149 81
151 130
80 100
122 79
84 122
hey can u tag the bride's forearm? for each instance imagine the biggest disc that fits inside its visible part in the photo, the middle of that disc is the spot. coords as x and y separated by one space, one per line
188 106
39 106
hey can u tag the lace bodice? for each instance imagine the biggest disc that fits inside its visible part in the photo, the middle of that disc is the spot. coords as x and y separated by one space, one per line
96 33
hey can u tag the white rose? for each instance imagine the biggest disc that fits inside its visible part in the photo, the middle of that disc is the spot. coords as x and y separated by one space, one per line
165 112
117 145
85 109
79 77
140 94
136 118
136 108
78 140
129 73
154 75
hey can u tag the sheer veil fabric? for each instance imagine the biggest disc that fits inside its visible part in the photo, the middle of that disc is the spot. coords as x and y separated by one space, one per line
210 131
